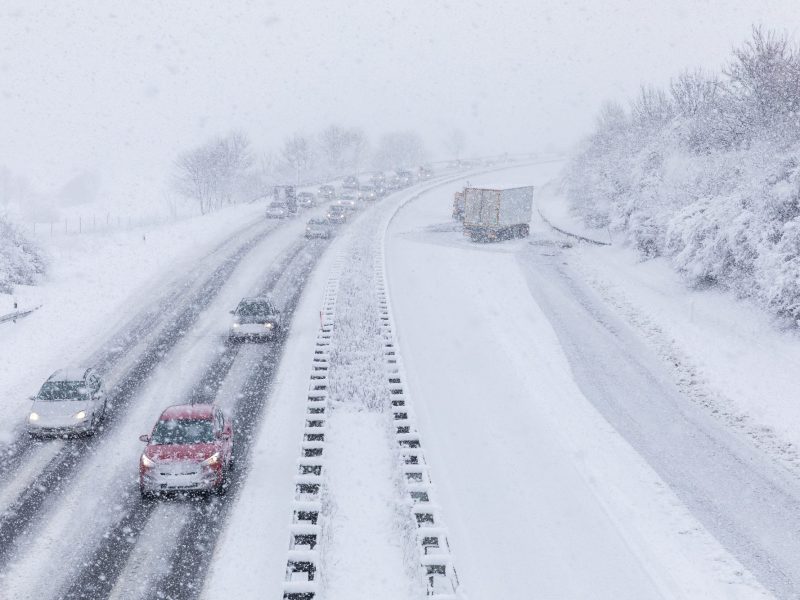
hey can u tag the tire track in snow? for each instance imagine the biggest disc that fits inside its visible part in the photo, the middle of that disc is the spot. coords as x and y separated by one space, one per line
53 480
132 334
193 543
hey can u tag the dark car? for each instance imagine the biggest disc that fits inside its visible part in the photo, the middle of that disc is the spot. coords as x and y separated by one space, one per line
318 228
256 318
189 449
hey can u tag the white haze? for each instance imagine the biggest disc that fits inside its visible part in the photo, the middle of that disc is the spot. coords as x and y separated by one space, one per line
113 91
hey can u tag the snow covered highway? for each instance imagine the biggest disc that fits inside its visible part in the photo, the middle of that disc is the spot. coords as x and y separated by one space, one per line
443 417
548 421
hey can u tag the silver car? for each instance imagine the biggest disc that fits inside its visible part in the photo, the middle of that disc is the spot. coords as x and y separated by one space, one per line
277 210
71 401
306 200
257 319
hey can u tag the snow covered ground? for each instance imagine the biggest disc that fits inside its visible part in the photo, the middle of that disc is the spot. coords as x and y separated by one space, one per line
543 496
581 436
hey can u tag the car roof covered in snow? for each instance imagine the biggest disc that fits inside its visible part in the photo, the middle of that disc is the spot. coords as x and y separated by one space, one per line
255 299
499 186
69 374
188 411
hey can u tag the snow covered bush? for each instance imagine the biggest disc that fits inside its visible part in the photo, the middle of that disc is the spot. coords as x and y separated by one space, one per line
707 174
20 260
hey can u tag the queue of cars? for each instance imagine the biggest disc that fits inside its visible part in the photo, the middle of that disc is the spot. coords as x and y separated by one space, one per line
191 446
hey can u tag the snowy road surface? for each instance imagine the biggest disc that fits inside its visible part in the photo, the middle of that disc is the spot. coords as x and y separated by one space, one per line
544 496
564 461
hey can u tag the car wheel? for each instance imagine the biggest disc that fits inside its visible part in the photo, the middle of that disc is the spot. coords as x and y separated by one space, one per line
92 426
222 488
146 495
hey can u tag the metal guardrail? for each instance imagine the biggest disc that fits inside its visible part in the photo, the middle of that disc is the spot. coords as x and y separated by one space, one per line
18 314
580 238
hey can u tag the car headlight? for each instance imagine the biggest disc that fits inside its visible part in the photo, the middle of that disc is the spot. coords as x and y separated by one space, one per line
268 325
235 325
79 416
146 462
33 416
211 460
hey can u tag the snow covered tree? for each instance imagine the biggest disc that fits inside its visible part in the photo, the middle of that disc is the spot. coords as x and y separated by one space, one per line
707 175
399 149
210 174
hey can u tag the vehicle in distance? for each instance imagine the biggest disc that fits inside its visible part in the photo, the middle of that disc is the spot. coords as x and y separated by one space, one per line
327 192
393 182
255 318
367 193
318 228
350 182
277 210
347 203
189 449
306 200
497 213
71 401
406 178
378 179
425 172
283 196
336 214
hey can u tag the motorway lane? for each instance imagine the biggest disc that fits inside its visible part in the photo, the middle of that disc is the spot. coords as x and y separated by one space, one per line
60 510
508 371
749 502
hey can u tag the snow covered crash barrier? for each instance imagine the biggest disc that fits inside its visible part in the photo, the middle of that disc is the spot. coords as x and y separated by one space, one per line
497 213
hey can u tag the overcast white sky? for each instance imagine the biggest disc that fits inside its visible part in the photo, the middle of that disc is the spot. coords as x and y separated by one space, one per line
120 88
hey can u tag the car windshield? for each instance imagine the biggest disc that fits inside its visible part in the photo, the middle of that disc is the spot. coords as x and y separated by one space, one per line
252 309
63 390
183 431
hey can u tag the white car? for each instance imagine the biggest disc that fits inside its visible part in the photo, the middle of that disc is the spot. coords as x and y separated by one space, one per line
277 211
256 319
71 401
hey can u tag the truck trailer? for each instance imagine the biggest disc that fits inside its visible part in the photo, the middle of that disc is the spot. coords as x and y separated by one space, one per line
497 213
458 206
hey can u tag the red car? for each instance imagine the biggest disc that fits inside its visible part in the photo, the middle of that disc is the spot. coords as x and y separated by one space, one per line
190 448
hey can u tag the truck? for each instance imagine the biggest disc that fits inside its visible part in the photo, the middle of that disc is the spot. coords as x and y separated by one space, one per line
497 213
458 206
284 195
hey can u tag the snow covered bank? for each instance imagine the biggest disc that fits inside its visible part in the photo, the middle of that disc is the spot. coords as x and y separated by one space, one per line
707 175
21 260
543 497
